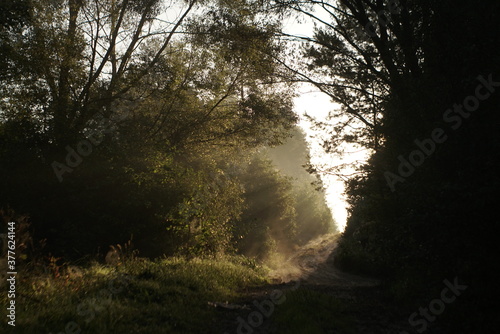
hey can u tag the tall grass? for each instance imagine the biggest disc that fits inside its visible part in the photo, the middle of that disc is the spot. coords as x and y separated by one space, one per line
168 295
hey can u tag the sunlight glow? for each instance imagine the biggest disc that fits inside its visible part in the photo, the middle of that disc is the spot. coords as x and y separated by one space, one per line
318 105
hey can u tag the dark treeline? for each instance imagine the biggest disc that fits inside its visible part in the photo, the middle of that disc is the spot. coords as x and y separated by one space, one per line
418 82
117 124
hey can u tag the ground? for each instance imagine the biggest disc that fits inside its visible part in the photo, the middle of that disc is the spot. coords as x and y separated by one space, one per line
318 298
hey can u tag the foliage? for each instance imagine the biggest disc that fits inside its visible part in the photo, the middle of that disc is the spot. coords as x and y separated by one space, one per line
118 125
313 215
268 221
283 207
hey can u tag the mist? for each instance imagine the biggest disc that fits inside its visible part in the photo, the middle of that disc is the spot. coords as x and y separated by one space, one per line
286 207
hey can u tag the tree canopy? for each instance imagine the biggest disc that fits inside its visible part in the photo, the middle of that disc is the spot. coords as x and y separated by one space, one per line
147 121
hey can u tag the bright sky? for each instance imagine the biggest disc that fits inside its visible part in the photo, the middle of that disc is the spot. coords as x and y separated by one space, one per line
318 105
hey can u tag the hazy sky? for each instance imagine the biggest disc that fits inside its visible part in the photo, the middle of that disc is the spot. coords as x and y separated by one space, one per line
318 105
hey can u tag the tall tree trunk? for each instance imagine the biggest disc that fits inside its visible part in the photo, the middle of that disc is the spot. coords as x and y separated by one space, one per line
64 111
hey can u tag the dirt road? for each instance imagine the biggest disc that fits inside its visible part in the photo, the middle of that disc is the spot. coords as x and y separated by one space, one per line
312 264
311 268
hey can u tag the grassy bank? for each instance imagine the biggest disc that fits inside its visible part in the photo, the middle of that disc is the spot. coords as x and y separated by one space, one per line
140 296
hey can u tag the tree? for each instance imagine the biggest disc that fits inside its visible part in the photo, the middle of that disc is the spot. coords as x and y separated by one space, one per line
268 222
399 69
120 120
314 218
283 208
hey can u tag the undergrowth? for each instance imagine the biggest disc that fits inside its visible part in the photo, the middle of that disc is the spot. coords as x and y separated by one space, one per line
169 295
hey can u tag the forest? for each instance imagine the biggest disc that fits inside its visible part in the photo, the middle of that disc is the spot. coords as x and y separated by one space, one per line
154 143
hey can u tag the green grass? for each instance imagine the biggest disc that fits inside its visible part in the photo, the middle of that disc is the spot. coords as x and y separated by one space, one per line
163 296
310 312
